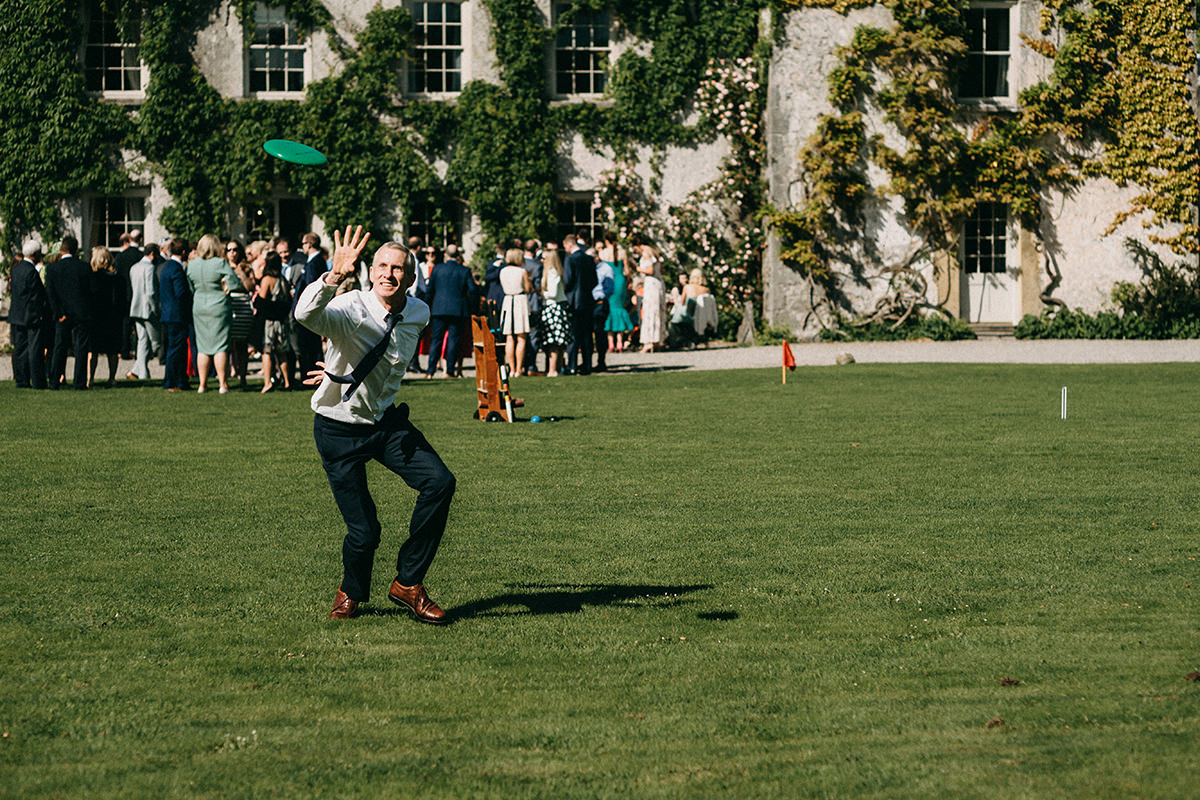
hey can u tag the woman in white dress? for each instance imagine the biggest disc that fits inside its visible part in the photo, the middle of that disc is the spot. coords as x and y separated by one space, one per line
514 314
654 294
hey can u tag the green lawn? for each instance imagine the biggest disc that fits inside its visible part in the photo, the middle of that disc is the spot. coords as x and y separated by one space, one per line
697 584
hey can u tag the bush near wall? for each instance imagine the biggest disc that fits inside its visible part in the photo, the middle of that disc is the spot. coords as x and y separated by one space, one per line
1164 304
1067 324
935 327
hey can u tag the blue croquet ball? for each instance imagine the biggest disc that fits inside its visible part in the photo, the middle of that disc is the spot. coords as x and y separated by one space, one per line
535 419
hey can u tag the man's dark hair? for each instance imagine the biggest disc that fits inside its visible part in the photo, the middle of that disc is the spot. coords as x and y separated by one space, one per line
583 235
69 246
177 247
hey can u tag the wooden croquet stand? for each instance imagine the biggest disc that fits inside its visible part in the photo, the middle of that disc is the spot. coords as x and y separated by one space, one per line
490 387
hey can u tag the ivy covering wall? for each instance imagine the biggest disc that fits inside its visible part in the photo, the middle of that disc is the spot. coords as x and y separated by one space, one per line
1119 103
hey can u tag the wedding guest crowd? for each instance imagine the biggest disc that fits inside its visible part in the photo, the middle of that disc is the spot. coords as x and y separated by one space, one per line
211 307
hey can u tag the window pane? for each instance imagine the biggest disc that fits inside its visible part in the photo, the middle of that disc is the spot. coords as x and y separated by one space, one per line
453 12
996 28
997 76
975 17
972 77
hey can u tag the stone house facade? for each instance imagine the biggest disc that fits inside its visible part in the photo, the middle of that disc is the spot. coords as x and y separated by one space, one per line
997 275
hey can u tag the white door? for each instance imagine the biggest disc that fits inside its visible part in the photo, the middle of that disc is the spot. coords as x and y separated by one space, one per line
990 289
991 296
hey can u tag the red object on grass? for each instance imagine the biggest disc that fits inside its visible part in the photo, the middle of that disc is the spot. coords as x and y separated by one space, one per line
789 360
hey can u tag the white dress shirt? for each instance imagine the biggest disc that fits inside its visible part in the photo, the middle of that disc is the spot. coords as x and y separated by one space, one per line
354 322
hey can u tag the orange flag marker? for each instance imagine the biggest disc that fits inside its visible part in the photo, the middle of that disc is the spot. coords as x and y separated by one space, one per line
789 361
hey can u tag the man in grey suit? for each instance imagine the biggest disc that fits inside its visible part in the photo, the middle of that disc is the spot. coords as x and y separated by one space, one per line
27 317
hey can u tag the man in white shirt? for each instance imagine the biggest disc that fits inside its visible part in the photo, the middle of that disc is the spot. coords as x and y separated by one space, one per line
372 334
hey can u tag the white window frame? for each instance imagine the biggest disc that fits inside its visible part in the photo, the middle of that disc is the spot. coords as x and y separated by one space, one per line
1008 100
601 73
1006 251
90 11
265 17
105 222
594 222
414 8
420 223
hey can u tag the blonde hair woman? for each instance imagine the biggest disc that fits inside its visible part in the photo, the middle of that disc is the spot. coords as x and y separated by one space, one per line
555 326
514 314
104 326
654 294
212 279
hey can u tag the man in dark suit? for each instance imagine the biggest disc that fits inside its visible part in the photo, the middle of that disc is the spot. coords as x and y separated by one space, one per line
533 266
131 253
315 266
293 262
579 279
175 312
69 289
27 317
451 293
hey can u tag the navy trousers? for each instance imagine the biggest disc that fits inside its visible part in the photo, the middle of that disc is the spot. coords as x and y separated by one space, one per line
450 328
175 375
345 450
580 349
599 319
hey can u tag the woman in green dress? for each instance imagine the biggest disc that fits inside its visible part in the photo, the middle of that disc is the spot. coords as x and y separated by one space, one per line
212 279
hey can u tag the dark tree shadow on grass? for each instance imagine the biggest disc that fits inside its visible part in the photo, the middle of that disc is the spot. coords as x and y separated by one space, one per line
536 599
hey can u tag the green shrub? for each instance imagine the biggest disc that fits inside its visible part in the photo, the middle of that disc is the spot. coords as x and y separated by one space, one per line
937 327
1165 304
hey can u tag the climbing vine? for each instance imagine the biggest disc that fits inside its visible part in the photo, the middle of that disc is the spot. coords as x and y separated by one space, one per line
1118 104
56 142
1119 87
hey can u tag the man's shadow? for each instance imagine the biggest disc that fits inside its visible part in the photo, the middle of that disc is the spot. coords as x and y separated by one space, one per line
536 599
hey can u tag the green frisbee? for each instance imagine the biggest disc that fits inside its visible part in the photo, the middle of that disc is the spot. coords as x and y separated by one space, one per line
294 152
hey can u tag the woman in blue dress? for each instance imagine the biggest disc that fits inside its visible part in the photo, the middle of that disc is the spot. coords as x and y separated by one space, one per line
619 322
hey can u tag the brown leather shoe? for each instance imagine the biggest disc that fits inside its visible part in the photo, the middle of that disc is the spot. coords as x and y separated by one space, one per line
417 601
343 606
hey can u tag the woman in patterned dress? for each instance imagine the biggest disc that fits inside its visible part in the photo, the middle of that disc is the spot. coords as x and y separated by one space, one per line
555 327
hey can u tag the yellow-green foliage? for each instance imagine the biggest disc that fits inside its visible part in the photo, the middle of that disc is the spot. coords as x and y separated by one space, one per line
1119 88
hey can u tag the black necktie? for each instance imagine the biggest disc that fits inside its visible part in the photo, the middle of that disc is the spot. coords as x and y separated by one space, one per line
369 361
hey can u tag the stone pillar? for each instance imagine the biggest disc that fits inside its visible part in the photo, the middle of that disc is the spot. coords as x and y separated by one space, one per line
1029 253
947 276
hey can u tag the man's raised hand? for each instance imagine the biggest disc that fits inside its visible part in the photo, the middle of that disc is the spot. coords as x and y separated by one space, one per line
346 251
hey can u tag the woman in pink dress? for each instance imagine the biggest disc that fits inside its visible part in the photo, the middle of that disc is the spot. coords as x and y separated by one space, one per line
654 295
